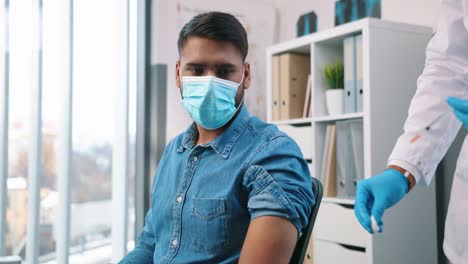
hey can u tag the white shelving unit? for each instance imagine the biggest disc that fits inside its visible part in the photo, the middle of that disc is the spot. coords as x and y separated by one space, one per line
296 121
337 117
393 58
337 200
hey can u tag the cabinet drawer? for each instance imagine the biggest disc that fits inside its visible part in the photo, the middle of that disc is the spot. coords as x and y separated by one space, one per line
337 223
302 135
332 253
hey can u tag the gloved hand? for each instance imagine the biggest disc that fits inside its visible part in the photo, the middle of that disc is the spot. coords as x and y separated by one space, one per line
376 194
461 109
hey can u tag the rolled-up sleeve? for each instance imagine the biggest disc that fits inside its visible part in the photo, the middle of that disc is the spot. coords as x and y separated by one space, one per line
279 183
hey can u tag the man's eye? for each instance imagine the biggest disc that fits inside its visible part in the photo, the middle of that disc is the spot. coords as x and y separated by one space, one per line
223 72
197 71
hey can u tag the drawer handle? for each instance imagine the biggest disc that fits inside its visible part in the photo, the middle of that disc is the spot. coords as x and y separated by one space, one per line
353 248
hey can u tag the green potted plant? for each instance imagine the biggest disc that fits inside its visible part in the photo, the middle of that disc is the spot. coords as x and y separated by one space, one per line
334 75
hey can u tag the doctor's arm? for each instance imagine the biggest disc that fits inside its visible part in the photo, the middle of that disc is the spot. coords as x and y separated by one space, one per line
444 76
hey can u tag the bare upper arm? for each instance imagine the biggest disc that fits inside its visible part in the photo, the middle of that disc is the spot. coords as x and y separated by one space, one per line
270 239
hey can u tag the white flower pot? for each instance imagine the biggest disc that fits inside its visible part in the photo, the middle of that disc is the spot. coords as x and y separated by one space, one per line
335 101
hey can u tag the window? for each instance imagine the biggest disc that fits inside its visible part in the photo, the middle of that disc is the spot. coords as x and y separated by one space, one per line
20 73
104 58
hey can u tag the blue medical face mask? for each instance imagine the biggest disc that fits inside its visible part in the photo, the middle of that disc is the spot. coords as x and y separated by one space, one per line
210 101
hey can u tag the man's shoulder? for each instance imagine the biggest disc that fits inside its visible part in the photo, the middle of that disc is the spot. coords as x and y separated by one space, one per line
266 136
176 141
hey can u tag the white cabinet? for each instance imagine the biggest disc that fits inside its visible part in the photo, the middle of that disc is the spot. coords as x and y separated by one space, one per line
329 252
336 222
393 57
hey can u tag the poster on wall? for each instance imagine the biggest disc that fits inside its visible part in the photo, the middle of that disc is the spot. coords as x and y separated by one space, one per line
351 10
259 20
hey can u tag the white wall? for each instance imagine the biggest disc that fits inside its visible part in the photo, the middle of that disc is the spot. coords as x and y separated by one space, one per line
422 12
290 10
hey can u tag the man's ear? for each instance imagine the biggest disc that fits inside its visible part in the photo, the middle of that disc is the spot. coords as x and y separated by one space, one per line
177 74
246 75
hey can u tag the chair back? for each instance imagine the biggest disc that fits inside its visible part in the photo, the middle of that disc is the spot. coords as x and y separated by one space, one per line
300 250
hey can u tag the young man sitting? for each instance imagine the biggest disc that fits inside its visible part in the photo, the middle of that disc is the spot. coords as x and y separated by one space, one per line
231 188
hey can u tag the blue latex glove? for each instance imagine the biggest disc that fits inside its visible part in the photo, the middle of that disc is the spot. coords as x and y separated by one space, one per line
460 108
376 194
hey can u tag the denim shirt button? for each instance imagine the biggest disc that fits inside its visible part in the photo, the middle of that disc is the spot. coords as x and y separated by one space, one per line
174 242
195 158
179 199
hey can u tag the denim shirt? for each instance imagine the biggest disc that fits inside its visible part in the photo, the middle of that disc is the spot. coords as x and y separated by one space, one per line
204 197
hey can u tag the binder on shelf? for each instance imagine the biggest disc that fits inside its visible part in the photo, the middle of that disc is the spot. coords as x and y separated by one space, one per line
357 139
349 61
345 169
323 166
350 156
329 188
275 104
308 98
294 71
359 78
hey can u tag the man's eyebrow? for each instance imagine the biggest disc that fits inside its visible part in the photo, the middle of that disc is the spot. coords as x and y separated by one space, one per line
201 65
193 64
225 65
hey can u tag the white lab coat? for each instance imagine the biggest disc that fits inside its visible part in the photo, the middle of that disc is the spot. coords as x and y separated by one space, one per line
445 74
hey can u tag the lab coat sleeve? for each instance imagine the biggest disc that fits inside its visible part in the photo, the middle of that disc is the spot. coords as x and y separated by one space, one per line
445 74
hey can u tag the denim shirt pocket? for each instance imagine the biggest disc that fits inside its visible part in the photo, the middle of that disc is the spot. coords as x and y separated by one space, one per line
208 225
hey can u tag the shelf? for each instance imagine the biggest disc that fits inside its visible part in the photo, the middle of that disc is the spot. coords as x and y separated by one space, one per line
300 45
338 117
348 201
295 121
387 90
342 31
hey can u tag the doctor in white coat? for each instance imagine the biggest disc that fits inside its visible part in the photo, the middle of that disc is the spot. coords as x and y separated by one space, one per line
441 102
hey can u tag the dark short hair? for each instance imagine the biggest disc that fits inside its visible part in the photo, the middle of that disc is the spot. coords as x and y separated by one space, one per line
215 26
